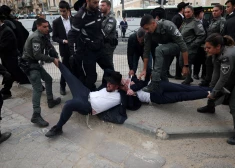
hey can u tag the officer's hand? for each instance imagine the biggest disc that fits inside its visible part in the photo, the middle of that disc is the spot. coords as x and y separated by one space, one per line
143 74
185 71
56 62
131 73
130 92
65 41
210 96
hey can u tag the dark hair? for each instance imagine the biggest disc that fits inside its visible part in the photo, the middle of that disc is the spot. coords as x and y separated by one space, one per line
6 10
40 21
107 2
140 32
146 19
219 6
190 7
64 4
158 12
230 1
216 39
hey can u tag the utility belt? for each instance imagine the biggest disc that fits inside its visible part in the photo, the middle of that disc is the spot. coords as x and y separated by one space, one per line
112 42
25 65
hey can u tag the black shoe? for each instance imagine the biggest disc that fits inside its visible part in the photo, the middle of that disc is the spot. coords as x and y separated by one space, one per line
196 77
4 136
204 83
187 82
52 103
6 96
152 87
62 91
169 75
179 77
231 140
54 131
37 119
206 109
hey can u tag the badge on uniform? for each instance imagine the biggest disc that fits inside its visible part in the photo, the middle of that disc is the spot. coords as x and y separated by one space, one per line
177 32
110 20
200 26
224 60
109 26
225 68
36 46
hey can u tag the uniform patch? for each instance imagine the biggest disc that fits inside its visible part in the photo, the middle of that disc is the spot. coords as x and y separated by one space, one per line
225 59
177 32
109 26
110 20
225 68
36 46
200 26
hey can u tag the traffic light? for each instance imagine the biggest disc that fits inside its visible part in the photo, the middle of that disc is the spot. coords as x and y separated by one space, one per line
164 2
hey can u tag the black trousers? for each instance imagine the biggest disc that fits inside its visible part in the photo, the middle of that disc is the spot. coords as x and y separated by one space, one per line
65 61
209 68
80 94
200 61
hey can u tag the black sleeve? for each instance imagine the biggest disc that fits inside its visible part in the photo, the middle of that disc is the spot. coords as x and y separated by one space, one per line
130 52
55 33
50 28
34 28
6 40
139 84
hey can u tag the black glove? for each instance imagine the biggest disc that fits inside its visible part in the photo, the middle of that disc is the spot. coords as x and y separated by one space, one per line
52 52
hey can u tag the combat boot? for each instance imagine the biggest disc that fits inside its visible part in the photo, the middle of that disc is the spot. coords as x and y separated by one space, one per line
37 119
52 103
209 108
231 140
152 87
4 136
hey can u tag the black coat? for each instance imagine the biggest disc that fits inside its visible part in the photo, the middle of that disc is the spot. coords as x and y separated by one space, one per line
59 34
228 26
177 20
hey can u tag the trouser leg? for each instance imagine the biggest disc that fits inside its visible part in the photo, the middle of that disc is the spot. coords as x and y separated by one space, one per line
209 68
178 69
35 80
65 61
232 105
48 83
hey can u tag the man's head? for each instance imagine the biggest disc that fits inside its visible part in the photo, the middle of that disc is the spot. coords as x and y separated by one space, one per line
92 4
188 12
64 9
140 35
230 6
148 23
6 10
181 6
124 18
217 11
113 81
199 12
105 6
79 4
42 25
158 13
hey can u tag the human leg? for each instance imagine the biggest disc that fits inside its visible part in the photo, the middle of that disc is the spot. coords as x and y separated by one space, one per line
231 140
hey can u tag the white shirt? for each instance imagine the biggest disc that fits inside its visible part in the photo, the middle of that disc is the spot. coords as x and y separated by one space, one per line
67 24
103 100
181 15
231 13
143 96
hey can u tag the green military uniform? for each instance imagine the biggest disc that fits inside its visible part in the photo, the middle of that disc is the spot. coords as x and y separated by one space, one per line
110 40
33 52
170 43
193 34
216 25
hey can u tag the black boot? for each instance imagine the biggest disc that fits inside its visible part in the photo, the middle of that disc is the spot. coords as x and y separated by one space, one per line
52 103
37 119
187 81
169 75
196 77
209 108
4 136
54 131
231 140
62 91
152 87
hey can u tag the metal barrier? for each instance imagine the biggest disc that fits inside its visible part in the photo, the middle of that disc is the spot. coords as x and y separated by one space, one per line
119 60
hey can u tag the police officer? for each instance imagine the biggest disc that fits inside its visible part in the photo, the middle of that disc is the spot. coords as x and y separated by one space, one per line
163 32
109 30
222 50
193 34
216 26
33 52
86 33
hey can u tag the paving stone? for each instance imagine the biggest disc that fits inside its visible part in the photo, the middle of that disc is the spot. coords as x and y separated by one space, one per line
11 164
113 151
92 160
176 165
10 103
66 163
217 163
53 163
140 159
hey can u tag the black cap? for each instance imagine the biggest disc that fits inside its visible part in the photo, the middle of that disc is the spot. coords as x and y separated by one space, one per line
6 10
197 10
160 12
182 5
114 77
78 4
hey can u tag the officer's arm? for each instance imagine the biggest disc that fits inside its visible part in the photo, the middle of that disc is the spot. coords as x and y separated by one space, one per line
37 51
109 27
199 33
147 49
75 32
226 68
55 33
222 22
224 32
178 39
216 73
130 52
